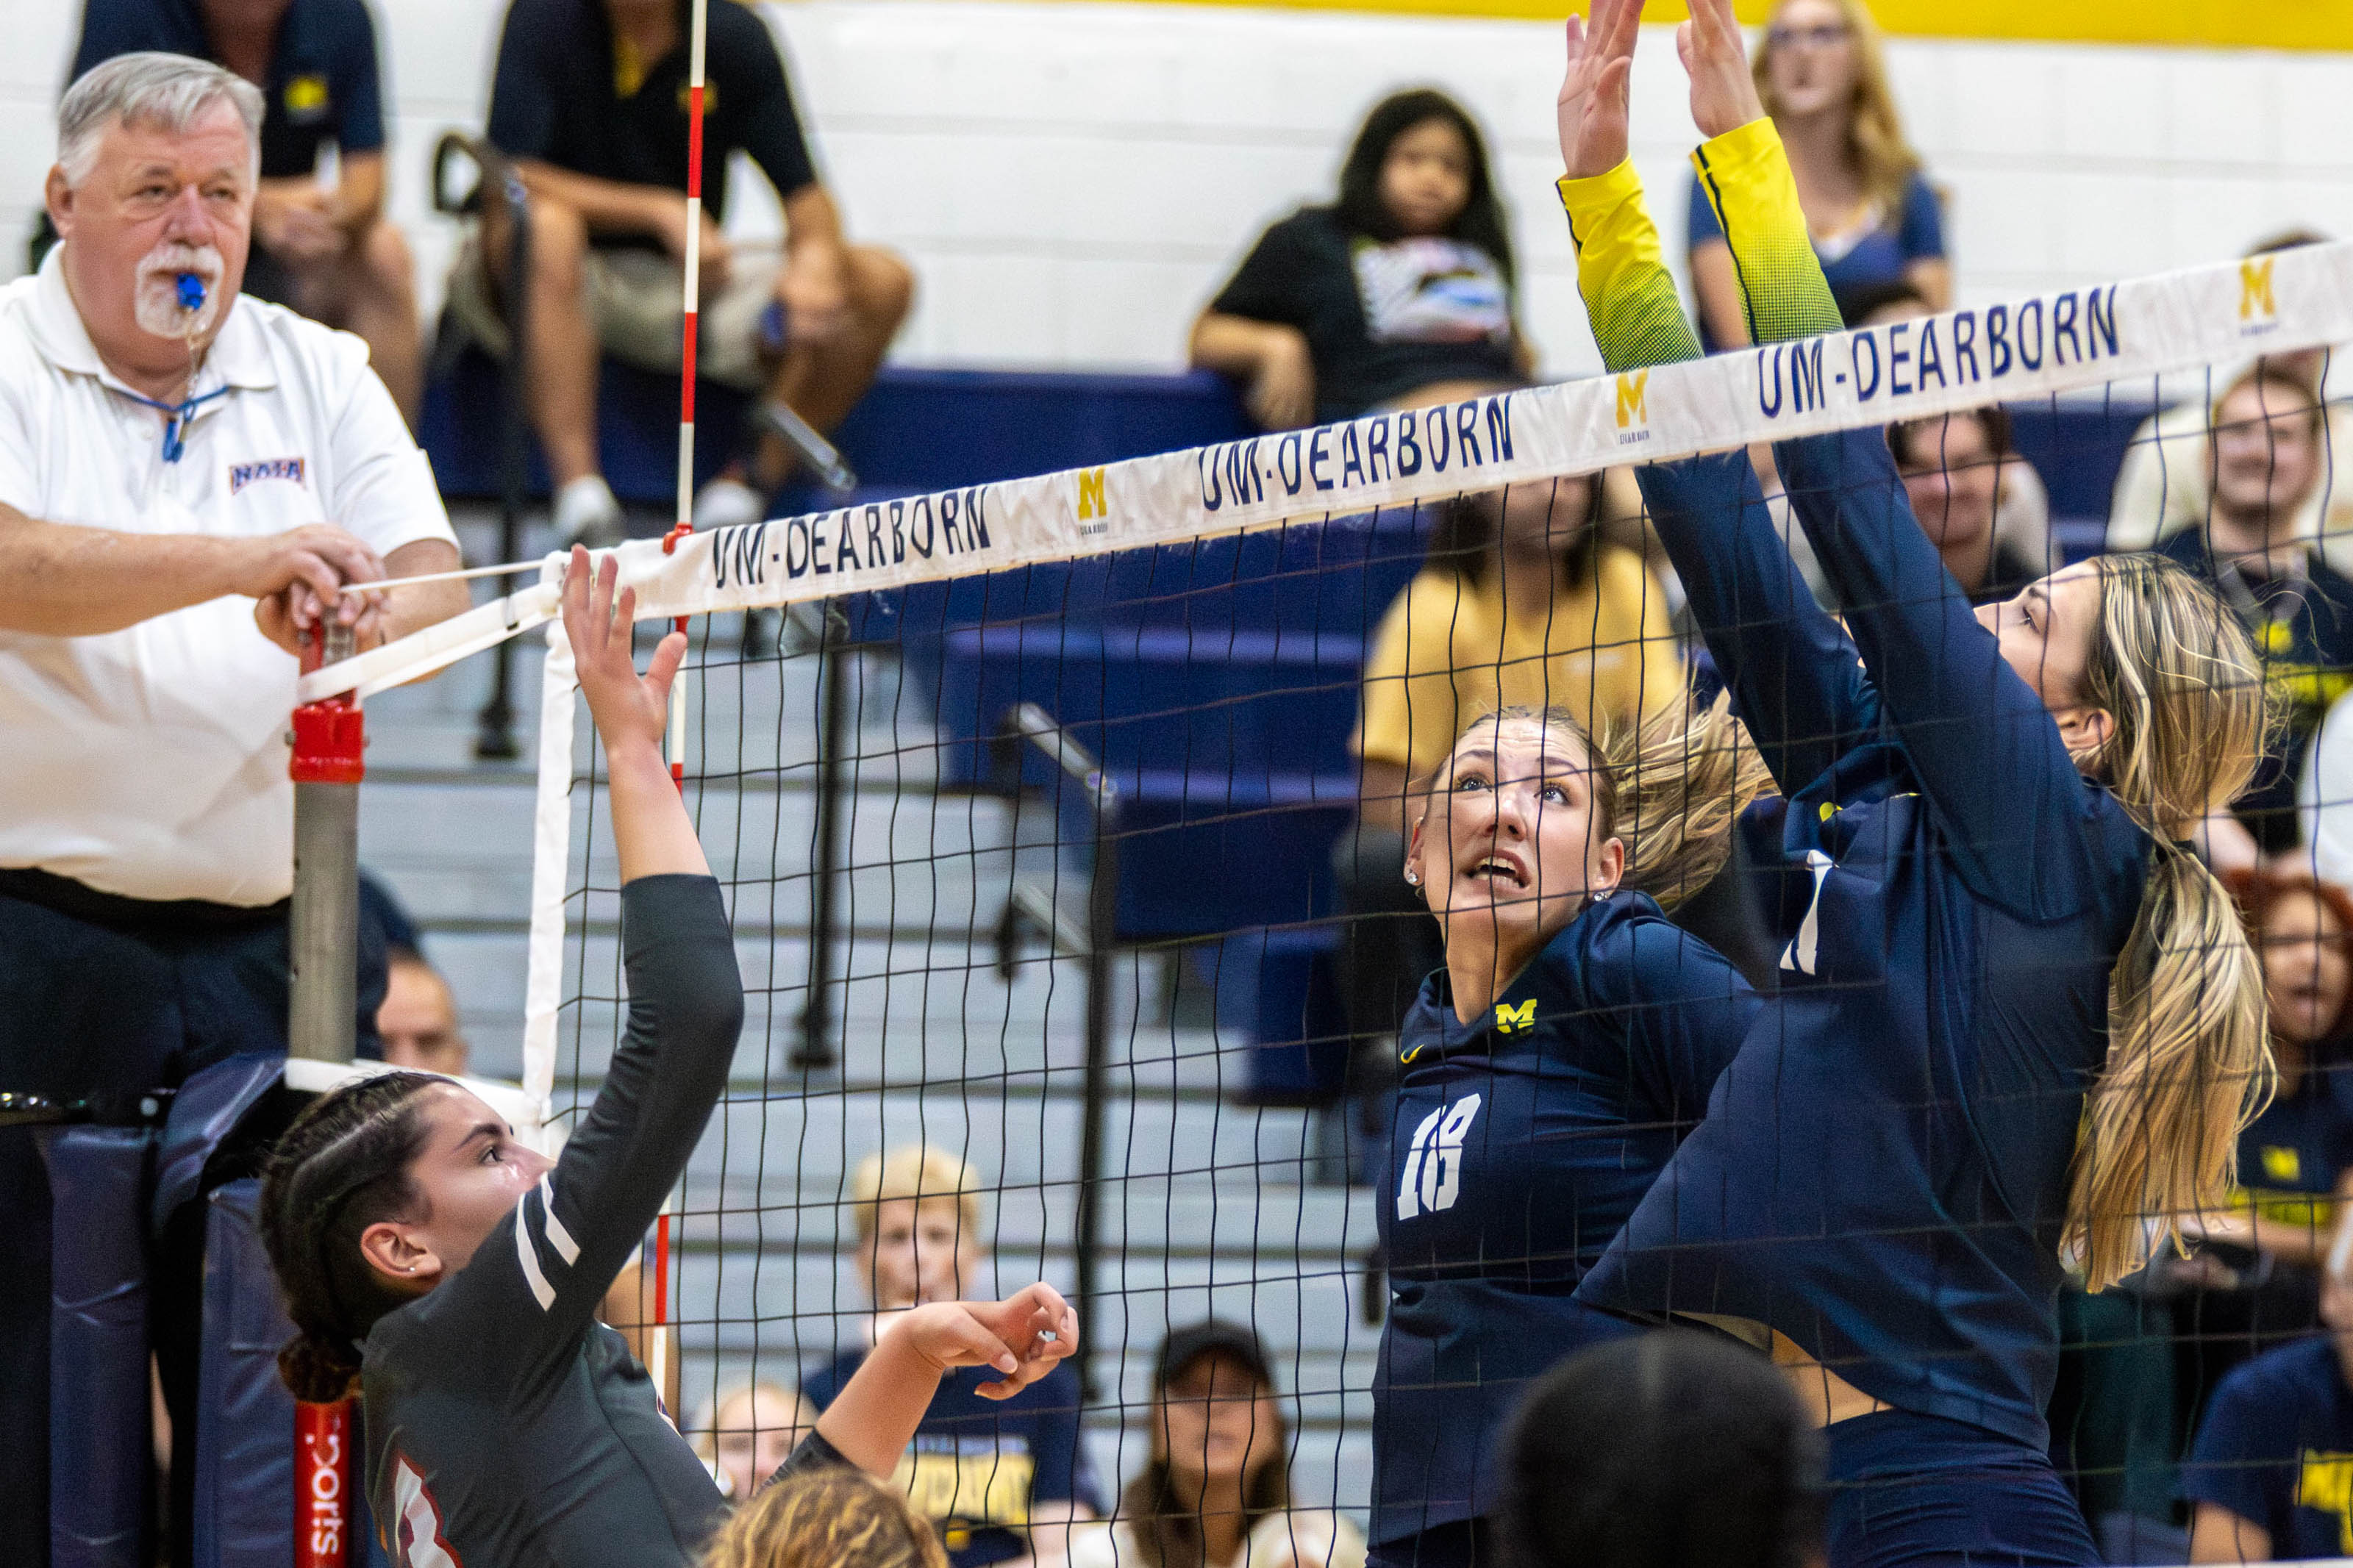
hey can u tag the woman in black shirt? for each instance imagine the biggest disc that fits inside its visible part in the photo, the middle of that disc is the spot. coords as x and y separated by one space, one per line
454 1272
1399 294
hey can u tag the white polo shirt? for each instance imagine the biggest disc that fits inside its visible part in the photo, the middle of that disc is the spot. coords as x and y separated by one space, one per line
150 762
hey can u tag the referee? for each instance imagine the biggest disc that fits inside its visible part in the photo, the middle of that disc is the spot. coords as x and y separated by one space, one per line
188 479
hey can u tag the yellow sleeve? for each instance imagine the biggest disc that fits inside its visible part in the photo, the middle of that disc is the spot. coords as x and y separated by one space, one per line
1385 724
1746 175
1638 319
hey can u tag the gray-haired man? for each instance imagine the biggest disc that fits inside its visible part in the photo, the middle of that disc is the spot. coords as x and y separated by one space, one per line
188 479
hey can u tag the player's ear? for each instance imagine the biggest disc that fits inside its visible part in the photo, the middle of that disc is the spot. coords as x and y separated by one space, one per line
58 197
399 1255
1608 868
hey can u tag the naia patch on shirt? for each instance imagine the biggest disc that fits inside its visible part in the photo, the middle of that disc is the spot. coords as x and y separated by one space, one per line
243 474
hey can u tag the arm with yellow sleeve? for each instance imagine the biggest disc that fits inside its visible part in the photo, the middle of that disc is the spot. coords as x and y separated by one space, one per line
1793 675
1980 741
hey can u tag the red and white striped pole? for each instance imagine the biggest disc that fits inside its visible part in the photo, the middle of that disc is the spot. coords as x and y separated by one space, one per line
698 30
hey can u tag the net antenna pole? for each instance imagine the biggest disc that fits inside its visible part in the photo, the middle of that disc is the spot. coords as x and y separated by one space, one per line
329 737
690 303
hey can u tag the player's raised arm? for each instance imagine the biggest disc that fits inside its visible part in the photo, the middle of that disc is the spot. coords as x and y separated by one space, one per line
1793 675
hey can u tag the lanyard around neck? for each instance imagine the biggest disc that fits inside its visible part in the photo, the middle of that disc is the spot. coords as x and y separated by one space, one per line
175 416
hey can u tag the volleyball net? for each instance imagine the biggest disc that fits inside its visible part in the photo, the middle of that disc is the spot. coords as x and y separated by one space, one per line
1035 817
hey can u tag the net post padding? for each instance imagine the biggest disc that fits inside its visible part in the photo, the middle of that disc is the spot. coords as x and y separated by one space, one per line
2065 341
549 861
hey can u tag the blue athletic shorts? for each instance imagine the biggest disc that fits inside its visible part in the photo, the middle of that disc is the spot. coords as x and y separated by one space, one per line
1915 1490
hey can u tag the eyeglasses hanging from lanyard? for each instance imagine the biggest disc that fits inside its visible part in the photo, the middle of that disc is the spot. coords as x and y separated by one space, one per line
178 414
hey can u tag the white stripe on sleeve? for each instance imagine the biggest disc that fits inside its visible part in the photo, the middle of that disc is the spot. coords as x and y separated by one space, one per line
541 1289
565 1248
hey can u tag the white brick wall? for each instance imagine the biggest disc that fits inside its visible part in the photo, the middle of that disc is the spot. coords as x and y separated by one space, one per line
1072 181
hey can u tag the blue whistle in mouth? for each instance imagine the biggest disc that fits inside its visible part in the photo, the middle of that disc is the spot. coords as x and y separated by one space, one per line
192 291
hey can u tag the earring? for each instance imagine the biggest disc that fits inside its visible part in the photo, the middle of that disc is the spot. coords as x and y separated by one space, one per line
1412 877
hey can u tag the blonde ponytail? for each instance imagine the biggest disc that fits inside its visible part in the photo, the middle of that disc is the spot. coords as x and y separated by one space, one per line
2189 1061
1684 775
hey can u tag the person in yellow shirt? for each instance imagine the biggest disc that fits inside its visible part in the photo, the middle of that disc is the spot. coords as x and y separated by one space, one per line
1522 602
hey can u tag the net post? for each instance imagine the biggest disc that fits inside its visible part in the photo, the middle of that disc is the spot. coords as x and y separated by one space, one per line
1103 935
327 765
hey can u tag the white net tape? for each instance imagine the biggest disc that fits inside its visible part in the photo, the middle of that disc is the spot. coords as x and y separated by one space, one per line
2052 343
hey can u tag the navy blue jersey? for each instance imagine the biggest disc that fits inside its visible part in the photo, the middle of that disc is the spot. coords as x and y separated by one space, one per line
2277 1450
1521 1141
323 84
977 1464
2291 1156
505 1425
1883 1171
556 95
2302 624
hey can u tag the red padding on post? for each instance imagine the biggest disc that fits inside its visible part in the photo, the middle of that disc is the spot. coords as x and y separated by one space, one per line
329 743
322 1484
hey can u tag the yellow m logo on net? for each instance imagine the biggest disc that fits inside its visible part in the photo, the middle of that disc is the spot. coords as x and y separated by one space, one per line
1090 494
1510 1019
1630 410
2255 289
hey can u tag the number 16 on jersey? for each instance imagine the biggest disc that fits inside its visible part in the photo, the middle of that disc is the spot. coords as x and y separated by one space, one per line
1433 1165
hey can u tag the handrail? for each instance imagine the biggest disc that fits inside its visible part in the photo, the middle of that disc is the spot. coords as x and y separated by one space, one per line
1030 722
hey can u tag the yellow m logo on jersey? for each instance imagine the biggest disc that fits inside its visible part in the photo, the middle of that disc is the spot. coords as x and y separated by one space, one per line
2255 288
1090 494
2324 1484
2282 1164
1630 409
1510 1019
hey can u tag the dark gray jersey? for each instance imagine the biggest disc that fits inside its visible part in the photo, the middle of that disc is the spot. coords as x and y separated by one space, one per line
506 1427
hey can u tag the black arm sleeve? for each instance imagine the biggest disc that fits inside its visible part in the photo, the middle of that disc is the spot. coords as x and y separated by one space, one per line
811 1454
573 1232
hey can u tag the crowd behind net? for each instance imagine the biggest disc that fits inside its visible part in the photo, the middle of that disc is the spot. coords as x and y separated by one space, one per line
1206 682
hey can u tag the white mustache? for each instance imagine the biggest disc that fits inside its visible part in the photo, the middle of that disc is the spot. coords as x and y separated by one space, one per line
173 258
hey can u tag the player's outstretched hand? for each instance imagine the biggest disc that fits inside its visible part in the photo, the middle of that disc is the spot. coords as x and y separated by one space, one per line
1020 1337
1723 88
1591 110
631 710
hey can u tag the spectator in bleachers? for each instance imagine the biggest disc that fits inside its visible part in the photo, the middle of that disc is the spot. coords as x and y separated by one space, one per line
1875 220
182 492
2255 1281
2021 518
1672 1450
418 1020
747 1433
2271 1477
1522 602
1396 295
1001 1480
590 101
2266 461
1215 1491
2165 483
321 246
1956 469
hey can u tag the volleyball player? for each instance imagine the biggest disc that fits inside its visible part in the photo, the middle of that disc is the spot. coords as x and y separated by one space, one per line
1546 1072
455 1273
1991 910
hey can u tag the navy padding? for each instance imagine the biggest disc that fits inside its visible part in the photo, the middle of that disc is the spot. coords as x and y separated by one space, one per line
245 1433
206 1111
101 1455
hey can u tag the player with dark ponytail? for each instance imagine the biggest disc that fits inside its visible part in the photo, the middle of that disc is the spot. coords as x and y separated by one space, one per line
453 1272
